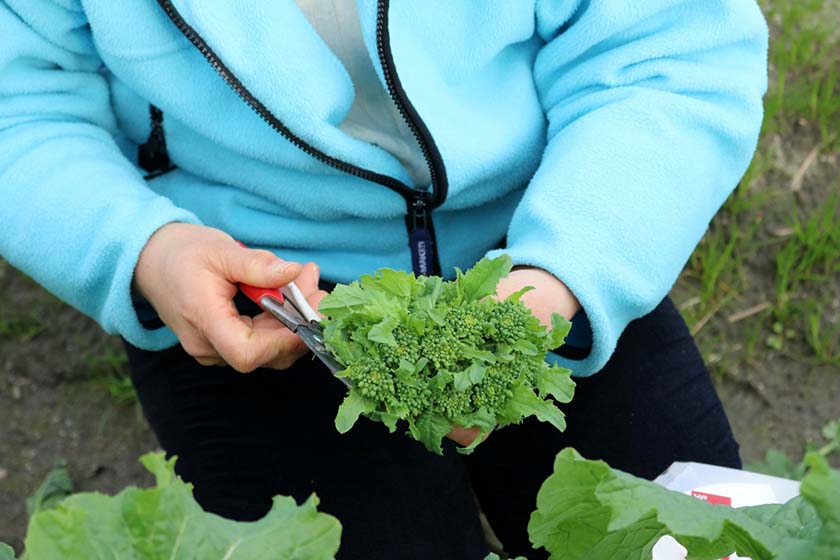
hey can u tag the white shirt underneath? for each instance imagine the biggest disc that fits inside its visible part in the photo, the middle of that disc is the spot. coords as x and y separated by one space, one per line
373 117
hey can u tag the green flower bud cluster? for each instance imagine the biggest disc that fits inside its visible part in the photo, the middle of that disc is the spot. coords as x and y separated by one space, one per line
435 353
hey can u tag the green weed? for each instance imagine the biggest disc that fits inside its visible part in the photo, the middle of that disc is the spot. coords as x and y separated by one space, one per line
823 340
778 463
804 57
108 370
751 339
22 326
810 255
718 262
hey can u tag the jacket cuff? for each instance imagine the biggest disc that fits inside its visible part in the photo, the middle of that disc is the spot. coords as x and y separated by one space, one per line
121 315
604 319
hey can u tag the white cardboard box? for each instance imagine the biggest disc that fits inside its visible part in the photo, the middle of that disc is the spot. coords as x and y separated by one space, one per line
720 485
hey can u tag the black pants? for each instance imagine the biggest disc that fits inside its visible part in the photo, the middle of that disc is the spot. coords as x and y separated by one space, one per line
243 438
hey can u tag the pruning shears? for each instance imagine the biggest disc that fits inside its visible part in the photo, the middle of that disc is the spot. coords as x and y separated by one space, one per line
289 306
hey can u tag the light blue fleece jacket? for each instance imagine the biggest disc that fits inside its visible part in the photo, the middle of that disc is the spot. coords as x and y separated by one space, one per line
599 136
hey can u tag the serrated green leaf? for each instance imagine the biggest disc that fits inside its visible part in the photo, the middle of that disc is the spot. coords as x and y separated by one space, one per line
560 328
406 378
337 341
383 331
406 366
390 420
56 486
546 411
557 382
831 431
475 354
381 305
476 372
517 295
418 325
354 405
480 281
428 288
437 316
462 380
342 299
527 348
482 419
430 429
524 402
166 522
396 282
442 379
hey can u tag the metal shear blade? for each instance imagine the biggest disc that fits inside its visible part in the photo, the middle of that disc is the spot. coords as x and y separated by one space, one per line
290 307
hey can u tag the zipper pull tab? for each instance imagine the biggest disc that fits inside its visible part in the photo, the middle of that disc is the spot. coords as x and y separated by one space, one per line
421 238
152 156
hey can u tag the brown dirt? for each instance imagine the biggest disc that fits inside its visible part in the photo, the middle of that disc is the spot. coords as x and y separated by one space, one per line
780 398
52 408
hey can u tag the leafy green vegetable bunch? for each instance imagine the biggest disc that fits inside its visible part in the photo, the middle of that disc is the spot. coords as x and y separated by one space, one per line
437 353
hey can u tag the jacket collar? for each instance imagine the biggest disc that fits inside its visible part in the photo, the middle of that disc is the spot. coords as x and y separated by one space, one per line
276 53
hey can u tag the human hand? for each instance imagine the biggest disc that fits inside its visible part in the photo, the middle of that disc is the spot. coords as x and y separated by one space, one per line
464 436
189 273
549 296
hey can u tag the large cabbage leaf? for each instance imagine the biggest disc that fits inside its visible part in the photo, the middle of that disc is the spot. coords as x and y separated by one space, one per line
165 522
6 552
586 510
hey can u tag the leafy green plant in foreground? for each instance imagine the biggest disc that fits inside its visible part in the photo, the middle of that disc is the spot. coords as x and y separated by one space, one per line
778 463
586 510
165 522
437 354
55 488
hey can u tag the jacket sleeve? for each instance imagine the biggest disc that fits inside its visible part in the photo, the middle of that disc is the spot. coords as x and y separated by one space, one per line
75 213
653 112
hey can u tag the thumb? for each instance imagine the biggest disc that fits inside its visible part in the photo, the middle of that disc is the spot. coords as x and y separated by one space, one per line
257 267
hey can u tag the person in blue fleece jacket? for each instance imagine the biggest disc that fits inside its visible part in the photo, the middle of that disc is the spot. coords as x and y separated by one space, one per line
591 140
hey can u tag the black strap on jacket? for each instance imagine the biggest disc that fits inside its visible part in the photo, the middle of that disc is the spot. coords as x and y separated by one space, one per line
153 156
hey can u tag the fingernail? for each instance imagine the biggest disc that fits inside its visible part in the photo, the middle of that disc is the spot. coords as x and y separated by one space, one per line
283 267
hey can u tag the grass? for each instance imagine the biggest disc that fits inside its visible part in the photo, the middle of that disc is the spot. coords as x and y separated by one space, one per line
778 463
823 339
109 371
21 326
811 254
804 68
766 276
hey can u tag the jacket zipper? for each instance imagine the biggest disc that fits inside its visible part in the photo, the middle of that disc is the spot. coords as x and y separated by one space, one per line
419 203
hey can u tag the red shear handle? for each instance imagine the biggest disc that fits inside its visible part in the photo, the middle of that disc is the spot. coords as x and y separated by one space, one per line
256 294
